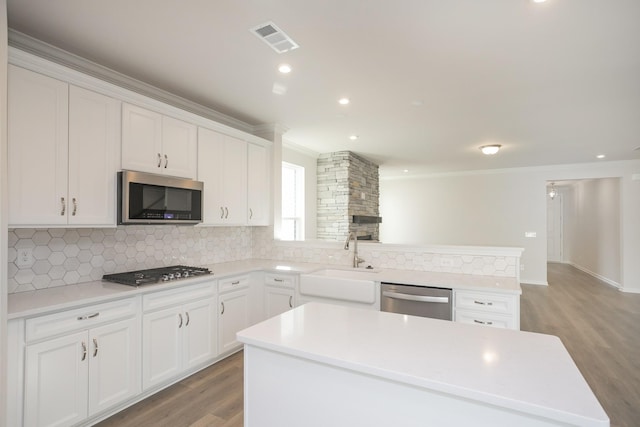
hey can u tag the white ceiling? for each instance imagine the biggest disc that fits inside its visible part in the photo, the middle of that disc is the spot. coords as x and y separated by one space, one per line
554 83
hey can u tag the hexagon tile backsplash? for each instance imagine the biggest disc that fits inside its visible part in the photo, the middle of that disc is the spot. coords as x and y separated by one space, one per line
69 256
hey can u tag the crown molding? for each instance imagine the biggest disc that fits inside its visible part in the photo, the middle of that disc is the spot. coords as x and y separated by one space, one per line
54 54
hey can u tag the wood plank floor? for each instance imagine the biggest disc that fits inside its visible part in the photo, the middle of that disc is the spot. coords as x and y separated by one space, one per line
209 398
599 325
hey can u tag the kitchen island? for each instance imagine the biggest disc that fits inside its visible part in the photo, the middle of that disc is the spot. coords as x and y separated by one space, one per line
320 365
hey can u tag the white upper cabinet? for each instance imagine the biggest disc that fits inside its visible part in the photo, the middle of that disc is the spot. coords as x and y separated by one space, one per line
258 185
94 157
222 166
152 142
63 151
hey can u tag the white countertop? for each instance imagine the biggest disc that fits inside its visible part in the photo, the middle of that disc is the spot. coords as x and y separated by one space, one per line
523 371
33 303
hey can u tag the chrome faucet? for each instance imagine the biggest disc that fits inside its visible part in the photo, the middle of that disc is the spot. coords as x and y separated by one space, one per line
356 259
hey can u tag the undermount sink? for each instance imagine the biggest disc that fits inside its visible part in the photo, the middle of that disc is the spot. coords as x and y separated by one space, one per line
346 285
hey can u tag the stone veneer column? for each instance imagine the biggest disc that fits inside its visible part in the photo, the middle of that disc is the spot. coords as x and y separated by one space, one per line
347 185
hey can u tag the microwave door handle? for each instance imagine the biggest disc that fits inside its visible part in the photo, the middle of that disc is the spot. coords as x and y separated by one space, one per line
419 298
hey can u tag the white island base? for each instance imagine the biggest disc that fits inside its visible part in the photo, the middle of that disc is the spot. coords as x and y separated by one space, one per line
324 365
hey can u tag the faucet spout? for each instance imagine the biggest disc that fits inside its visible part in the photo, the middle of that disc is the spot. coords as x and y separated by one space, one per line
356 259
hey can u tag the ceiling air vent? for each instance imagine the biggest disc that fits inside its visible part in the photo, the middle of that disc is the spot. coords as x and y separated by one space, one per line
274 37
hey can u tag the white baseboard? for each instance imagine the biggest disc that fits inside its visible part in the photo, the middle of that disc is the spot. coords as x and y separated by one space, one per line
598 276
535 282
630 290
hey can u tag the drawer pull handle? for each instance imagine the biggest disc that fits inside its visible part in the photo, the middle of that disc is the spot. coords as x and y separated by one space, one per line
91 316
75 206
187 314
237 282
95 345
222 303
290 301
64 206
166 161
482 323
278 280
482 302
180 325
221 212
84 351
226 213
159 160
250 213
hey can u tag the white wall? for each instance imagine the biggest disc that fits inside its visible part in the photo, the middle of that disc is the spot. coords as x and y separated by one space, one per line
497 207
309 161
3 210
592 224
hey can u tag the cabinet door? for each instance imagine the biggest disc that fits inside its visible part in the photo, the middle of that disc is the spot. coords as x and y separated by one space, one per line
235 181
56 381
94 147
199 333
161 346
277 300
37 148
141 139
179 148
114 364
258 185
210 171
233 317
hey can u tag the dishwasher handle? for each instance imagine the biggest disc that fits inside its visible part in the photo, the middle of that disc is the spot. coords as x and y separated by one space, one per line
420 298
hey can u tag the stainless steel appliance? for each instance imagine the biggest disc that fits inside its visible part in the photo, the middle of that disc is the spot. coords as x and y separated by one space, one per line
155 275
416 300
145 198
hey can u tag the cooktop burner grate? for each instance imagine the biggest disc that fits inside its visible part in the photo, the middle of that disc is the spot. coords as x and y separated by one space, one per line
155 275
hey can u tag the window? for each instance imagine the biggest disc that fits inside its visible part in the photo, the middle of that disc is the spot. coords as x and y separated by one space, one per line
292 202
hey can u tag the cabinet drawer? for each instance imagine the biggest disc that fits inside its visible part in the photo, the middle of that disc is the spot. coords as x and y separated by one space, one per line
279 280
483 318
488 302
233 283
177 296
80 318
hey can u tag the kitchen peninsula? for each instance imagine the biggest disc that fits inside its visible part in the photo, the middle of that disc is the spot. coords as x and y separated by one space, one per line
341 366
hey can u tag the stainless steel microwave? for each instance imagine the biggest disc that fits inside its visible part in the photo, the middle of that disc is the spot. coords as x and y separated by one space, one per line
145 198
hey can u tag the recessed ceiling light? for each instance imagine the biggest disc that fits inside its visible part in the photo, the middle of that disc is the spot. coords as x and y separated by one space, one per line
406 171
490 150
600 156
343 101
538 1
284 68
353 137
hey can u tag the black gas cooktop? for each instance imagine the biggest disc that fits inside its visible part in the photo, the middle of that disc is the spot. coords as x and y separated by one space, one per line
155 275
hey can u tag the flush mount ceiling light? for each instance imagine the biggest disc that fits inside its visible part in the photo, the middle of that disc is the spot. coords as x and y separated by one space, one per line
490 150
284 68
553 192
353 137
600 156
343 101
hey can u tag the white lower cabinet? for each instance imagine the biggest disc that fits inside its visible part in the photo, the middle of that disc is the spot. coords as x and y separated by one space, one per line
78 374
498 310
178 337
233 311
279 293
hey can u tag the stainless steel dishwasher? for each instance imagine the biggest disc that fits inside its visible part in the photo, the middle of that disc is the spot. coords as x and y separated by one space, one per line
416 300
